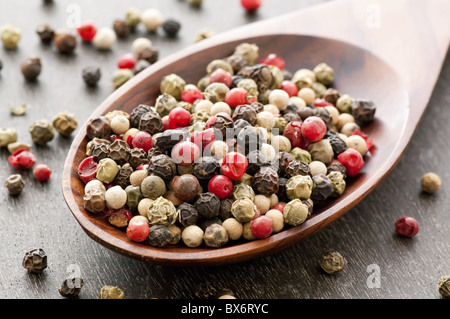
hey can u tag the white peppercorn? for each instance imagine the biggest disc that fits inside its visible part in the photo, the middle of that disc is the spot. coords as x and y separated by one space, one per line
349 128
144 205
120 124
104 39
138 176
308 95
279 98
115 197
7 136
358 143
233 227
317 167
247 231
263 203
297 101
281 143
152 19
265 119
140 44
94 184
277 220
220 107
175 234
272 109
192 236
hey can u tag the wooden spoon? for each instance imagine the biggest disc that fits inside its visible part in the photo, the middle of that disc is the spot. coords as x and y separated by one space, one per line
388 51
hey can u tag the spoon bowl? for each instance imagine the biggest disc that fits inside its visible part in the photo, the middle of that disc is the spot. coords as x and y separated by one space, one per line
358 72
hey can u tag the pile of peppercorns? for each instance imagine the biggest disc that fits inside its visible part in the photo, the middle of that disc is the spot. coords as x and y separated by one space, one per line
246 152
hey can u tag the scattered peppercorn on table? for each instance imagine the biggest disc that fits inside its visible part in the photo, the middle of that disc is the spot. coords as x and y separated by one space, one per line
375 251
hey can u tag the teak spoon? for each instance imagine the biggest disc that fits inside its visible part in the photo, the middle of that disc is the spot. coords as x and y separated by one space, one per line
388 51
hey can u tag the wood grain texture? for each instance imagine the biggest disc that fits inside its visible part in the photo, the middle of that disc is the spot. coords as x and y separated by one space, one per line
39 217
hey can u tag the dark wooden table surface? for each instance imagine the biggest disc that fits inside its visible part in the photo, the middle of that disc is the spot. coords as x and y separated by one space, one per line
39 217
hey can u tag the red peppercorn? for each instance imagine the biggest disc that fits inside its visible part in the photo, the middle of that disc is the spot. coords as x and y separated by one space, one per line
165 121
191 95
280 207
251 5
87 31
127 61
407 226
179 117
220 76
87 170
234 165
22 159
42 173
221 186
262 227
352 160
138 230
322 103
293 132
236 97
290 87
203 138
143 140
274 60
313 128
114 137
185 153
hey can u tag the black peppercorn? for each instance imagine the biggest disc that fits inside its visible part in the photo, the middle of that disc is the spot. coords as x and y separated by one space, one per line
282 195
235 79
100 151
187 214
205 168
208 205
222 124
363 111
265 181
236 61
151 122
323 114
35 261
296 167
239 124
249 138
99 128
137 112
149 54
91 75
258 106
245 112
322 187
331 96
138 156
225 208
1 64
204 223
45 33
119 151
71 287
290 108
171 27
259 73
290 116
169 138
140 66
309 203
123 176
284 158
205 291
287 75
256 159
338 145
162 166
159 235
154 151
336 166
305 112
31 68
122 28
65 42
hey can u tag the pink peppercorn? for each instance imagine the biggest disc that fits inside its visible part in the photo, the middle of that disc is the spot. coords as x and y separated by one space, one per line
87 170
42 173
138 230
22 159
236 97
87 31
407 226
352 160
127 61
262 227
290 88
274 60
191 95
220 76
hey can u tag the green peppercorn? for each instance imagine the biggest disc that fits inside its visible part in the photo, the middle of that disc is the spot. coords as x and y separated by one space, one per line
7 136
332 262
301 155
162 212
165 103
444 287
219 64
120 76
65 123
31 68
250 86
15 184
215 92
295 212
250 52
339 184
244 210
133 17
324 74
243 190
111 292
321 151
277 77
204 34
299 187
319 89
172 84
107 170
41 132
10 36
153 187
344 103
